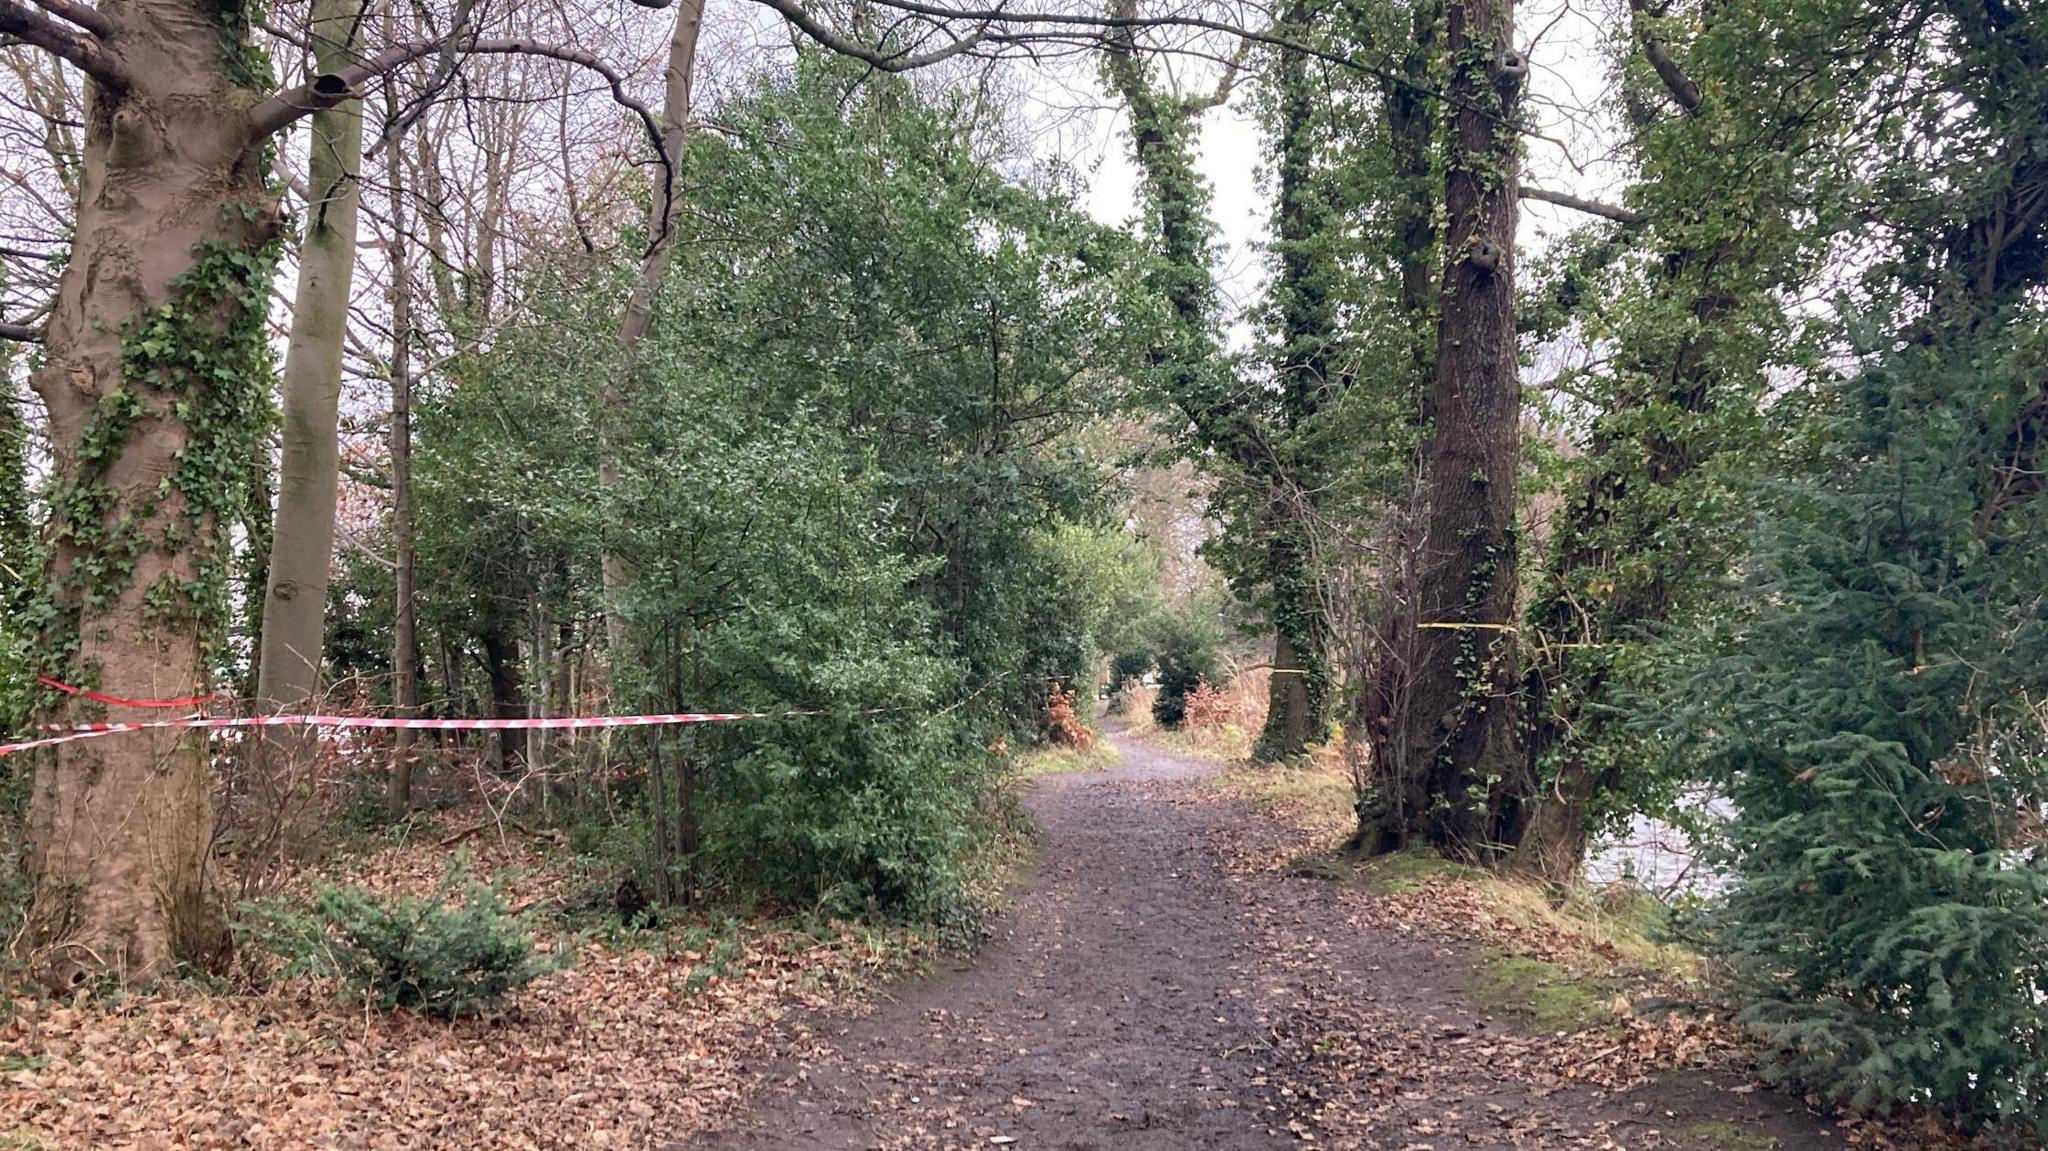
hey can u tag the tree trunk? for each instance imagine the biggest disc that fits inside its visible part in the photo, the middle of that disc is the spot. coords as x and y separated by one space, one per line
508 692
155 380
405 672
1287 730
1558 828
662 222
1459 726
453 688
1306 293
302 542
1298 693
1383 697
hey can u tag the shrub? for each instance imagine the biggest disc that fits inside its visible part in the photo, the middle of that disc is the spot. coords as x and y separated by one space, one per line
1062 724
439 956
1188 655
1869 707
1207 706
849 816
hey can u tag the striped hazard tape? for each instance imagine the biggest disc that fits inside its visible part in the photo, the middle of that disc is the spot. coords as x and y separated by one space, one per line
67 733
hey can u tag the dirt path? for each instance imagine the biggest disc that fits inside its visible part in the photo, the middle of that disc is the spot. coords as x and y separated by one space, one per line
1140 995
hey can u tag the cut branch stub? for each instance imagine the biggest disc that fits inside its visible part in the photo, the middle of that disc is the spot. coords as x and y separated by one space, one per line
1485 256
657 5
333 88
1509 70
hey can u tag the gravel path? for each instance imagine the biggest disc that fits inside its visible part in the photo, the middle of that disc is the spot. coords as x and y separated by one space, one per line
1140 995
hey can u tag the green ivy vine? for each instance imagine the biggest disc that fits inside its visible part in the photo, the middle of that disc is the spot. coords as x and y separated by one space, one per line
200 359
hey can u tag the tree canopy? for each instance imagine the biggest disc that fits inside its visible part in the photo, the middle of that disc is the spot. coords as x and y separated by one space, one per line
780 361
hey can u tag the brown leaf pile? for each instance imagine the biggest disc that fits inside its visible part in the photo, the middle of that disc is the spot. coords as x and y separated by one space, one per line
628 1048
1368 1067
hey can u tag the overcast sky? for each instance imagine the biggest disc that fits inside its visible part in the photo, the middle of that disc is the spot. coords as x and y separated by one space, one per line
1570 76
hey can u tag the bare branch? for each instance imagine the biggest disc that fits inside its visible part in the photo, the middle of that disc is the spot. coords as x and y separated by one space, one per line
1615 212
444 70
91 56
85 16
1682 88
331 88
1196 105
23 333
1120 17
793 11
1000 26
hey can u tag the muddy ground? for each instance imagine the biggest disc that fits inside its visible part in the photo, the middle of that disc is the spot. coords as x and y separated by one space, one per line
1147 991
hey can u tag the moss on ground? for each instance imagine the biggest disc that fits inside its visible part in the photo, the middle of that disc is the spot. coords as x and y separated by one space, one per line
1407 872
1724 1136
1542 994
1052 759
1317 796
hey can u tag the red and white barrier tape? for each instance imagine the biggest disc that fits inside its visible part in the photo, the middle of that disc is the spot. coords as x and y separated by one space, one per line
119 701
557 723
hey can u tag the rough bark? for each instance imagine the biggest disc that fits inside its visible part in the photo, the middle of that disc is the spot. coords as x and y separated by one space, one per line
508 691
1384 694
663 219
1458 729
167 260
1297 695
302 540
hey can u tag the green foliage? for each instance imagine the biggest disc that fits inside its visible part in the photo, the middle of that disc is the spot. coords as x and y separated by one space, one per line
1188 650
1871 711
440 955
851 479
201 360
1129 664
849 815
20 573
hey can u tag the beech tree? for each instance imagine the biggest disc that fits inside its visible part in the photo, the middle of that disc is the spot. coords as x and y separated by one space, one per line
302 539
155 376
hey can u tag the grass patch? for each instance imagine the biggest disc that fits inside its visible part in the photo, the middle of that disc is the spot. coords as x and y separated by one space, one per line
1617 929
1407 872
1618 926
1055 759
1722 1136
1542 994
1226 744
1316 795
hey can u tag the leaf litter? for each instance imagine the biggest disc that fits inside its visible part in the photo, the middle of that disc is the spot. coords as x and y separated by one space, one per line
630 1046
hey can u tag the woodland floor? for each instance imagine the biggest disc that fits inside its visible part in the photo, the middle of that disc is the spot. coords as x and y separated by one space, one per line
1186 967
1171 978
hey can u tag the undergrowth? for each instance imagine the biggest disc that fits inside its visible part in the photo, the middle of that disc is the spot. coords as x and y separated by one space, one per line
1598 935
1059 759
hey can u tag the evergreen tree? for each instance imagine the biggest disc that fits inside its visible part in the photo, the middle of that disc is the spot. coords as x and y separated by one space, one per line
1873 715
